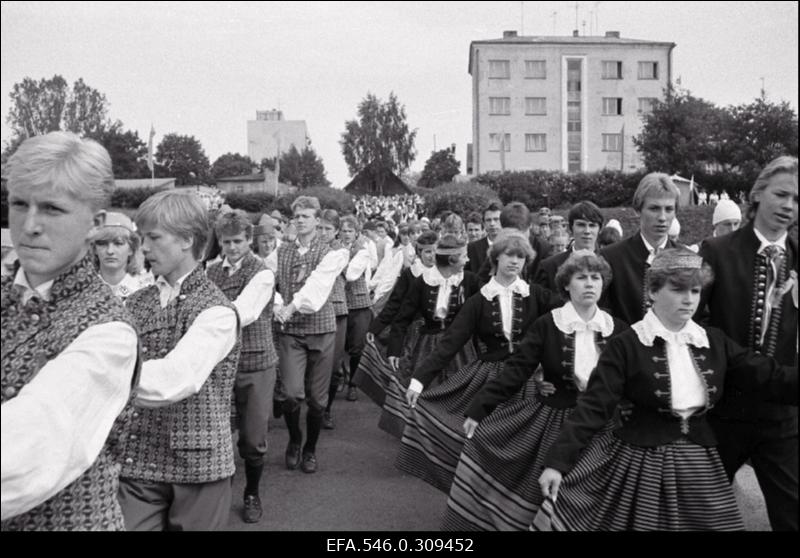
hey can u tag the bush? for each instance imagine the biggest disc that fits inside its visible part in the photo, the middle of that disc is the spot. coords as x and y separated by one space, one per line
252 202
329 198
131 198
461 198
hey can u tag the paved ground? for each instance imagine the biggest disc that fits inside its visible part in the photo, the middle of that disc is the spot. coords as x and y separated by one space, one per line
357 487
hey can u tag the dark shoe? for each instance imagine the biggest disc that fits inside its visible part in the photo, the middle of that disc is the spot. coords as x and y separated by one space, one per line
352 393
292 456
309 464
327 421
252 508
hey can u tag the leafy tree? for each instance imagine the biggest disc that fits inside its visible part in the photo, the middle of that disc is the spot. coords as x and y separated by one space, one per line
232 164
86 110
302 168
268 163
440 167
183 158
682 134
379 141
128 152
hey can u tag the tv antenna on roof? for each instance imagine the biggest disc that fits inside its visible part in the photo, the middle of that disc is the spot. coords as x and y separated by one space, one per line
554 15
522 18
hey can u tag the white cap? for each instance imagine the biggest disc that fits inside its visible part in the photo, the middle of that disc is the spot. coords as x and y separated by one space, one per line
614 224
725 210
674 228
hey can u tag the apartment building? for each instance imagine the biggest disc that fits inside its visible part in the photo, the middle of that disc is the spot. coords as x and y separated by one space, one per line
269 133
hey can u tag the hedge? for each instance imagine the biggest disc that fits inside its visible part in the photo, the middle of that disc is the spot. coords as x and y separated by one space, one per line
461 198
131 198
329 198
252 202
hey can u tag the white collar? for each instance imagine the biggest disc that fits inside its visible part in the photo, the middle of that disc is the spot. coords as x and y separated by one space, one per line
42 291
163 284
650 247
433 277
493 288
226 264
781 242
651 327
417 268
568 321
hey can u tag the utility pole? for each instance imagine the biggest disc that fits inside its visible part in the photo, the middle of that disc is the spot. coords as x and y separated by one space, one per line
576 16
555 18
522 18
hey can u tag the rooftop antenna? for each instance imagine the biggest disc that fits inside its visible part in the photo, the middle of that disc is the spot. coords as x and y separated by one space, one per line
591 22
576 16
763 91
597 17
522 18
554 15
584 27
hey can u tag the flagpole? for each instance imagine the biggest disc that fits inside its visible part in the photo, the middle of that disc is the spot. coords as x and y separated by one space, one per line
150 157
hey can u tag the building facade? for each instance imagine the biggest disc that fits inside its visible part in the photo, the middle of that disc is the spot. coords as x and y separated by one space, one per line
563 103
269 134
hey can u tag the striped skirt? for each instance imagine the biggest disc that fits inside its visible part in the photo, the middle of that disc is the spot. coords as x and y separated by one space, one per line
434 433
616 486
393 417
496 484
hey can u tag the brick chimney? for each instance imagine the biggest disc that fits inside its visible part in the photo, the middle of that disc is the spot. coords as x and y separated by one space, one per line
574 32
612 34
509 34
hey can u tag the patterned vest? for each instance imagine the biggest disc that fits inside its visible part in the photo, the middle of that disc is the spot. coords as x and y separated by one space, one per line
357 291
188 441
258 351
35 334
338 297
293 271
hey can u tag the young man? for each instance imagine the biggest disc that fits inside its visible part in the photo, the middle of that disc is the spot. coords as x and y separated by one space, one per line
474 225
656 202
246 281
305 277
477 250
585 222
177 460
69 346
754 301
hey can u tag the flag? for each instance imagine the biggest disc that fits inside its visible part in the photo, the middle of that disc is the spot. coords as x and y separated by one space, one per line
150 148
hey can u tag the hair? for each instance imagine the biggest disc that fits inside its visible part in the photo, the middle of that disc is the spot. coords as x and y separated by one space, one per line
352 222
683 278
515 215
370 225
306 202
383 224
558 234
474 218
513 243
449 241
66 163
104 235
655 184
586 210
425 239
784 164
608 236
331 216
493 206
180 213
453 224
583 260
233 223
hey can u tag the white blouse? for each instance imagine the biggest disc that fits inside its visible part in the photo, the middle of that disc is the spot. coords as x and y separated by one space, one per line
434 278
568 321
506 294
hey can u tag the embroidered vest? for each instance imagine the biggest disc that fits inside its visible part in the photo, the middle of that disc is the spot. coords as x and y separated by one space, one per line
338 298
293 271
35 334
258 351
357 291
188 441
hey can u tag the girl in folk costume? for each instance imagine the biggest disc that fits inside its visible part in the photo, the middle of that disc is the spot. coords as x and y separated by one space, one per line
437 295
374 372
116 245
498 316
496 485
660 470
382 282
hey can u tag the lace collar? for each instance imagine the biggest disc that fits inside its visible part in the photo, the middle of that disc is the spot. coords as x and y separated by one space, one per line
493 288
568 321
417 268
651 327
434 278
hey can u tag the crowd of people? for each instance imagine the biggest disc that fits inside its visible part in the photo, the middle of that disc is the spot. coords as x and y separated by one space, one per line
544 372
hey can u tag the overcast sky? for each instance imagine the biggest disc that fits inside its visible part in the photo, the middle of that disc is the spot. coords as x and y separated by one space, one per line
204 68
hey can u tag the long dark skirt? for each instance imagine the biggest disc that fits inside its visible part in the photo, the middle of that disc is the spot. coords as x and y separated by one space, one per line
393 417
616 486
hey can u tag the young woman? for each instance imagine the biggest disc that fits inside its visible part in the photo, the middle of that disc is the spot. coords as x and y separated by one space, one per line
496 482
660 470
115 245
436 295
498 316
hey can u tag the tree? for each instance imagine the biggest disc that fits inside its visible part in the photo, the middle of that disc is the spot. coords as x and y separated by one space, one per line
183 158
232 164
379 142
302 168
128 152
86 110
440 167
682 134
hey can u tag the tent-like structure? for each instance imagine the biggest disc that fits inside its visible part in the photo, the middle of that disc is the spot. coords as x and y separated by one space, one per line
688 189
365 184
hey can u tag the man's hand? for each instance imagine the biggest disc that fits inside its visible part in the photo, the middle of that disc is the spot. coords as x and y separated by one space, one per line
549 481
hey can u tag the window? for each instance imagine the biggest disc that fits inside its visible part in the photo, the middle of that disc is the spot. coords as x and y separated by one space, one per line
612 106
648 70
499 69
646 104
612 142
494 142
535 69
612 69
499 105
535 142
240 188
535 105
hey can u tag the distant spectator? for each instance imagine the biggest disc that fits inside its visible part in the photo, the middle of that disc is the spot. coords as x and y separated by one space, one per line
608 236
674 230
727 217
474 226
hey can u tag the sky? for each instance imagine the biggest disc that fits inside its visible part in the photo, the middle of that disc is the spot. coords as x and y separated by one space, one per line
205 68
